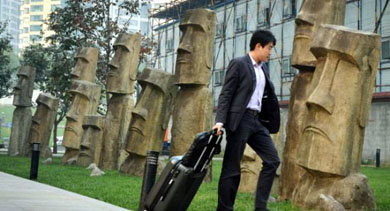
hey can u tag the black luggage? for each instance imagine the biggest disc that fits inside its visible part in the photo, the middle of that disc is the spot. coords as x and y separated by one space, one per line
181 178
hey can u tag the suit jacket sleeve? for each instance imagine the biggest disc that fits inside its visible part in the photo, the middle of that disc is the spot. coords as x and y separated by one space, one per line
228 90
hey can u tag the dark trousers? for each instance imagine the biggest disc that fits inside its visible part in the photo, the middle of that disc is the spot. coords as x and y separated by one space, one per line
250 131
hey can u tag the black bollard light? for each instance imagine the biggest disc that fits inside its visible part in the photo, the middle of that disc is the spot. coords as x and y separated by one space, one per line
34 161
149 178
378 158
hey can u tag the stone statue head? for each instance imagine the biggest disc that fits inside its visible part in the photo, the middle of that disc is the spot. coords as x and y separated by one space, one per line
149 120
196 47
91 143
339 104
124 64
43 118
83 96
310 16
24 88
86 61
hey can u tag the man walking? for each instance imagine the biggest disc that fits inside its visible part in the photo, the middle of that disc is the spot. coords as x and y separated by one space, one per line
248 109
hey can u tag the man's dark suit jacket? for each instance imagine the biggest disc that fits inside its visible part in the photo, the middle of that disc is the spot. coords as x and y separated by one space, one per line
240 83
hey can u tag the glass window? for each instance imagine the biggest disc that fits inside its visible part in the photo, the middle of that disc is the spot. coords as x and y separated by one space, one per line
54 6
36 0
36 8
169 46
218 77
263 17
26 11
36 18
240 23
35 38
386 49
35 28
25 29
26 1
289 8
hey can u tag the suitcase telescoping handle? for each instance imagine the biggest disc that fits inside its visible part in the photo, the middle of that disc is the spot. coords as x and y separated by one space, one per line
208 152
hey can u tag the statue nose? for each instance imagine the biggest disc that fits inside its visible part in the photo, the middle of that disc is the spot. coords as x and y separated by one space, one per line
321 100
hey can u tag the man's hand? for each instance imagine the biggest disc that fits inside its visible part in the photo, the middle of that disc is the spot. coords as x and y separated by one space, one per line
218 126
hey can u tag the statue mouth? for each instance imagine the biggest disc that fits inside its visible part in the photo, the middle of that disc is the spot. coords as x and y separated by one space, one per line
136 130
71 130
317 131
302 36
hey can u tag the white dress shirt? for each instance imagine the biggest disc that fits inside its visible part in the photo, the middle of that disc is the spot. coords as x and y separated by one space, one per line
257 96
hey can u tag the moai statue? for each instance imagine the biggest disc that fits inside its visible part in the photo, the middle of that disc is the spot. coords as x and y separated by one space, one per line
21 120
121 85
149 120
338 109
311 15
85 68
85 100
194 103
92 140
42 123
251 165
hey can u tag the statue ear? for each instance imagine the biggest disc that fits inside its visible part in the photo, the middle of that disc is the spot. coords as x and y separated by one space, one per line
368 81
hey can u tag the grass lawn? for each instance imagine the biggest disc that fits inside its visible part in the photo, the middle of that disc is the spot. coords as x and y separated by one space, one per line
116 188
8 111
379 179
124 191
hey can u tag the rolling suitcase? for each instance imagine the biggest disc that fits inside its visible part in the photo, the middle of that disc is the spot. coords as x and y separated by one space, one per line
182 177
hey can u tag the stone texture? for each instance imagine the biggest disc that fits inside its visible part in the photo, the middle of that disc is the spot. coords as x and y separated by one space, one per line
24 87
121 84
196 47
86 62
194 103
351 192
43 122
21 123
251 165
92 140
338 109
311 15
149 120
85 100
21 120
115 129
192 114
123 66
327 202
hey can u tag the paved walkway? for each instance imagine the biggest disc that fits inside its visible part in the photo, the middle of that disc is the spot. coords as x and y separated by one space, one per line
17 193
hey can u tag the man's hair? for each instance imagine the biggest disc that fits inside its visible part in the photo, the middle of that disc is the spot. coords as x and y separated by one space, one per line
263 37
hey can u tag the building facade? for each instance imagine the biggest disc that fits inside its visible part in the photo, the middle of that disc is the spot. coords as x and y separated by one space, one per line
32 16
238 19
9 12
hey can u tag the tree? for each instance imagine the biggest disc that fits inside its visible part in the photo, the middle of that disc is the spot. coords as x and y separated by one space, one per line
5 69
91 24
81 23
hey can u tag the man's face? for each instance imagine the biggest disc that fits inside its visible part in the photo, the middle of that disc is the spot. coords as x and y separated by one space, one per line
264 53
